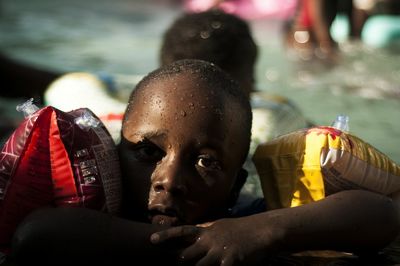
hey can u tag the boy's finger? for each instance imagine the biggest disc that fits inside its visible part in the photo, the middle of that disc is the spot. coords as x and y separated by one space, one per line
192 253
207 224
173 232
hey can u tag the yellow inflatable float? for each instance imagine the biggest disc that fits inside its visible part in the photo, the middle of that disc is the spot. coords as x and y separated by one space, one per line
310 164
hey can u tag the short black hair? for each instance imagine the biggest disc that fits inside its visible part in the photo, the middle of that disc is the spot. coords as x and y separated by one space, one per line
208 73
214 36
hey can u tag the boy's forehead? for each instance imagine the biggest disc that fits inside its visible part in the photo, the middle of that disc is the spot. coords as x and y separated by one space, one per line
186 99
180 89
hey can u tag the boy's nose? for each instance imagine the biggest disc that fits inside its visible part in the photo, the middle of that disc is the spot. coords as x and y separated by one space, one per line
170 179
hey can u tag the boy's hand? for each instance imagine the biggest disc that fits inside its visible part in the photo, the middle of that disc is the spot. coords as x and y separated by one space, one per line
224 242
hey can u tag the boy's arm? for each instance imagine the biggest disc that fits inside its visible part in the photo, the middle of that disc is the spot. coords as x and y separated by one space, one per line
65 236
347 221
353 221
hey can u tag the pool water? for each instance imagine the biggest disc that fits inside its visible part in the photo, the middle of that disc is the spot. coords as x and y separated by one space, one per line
122 38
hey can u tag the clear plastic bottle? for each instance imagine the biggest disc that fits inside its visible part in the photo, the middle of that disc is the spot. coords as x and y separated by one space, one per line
28 108
341 122
86 121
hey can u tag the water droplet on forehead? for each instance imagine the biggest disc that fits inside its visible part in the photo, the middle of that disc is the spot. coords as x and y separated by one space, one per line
216 24
205 34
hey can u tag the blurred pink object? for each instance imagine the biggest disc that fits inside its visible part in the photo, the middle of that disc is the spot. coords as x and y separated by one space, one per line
247 9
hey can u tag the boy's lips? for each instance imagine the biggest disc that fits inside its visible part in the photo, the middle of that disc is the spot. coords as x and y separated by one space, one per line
166 217
164 220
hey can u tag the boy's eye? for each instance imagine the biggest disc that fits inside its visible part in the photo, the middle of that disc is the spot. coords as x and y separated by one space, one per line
148 152
208 163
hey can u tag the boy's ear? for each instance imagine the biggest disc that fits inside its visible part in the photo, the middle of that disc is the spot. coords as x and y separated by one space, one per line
240 180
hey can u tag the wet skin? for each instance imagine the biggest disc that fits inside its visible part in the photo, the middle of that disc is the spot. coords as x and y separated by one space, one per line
188 158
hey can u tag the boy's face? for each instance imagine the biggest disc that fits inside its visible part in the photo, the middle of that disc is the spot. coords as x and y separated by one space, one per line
181 145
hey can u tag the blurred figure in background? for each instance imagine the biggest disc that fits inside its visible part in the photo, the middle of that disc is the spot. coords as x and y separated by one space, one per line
308 33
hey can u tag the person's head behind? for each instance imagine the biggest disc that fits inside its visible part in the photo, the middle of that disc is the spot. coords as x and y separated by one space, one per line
213 36
185 136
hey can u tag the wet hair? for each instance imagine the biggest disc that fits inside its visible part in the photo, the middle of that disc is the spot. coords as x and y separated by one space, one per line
214 36
210 75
